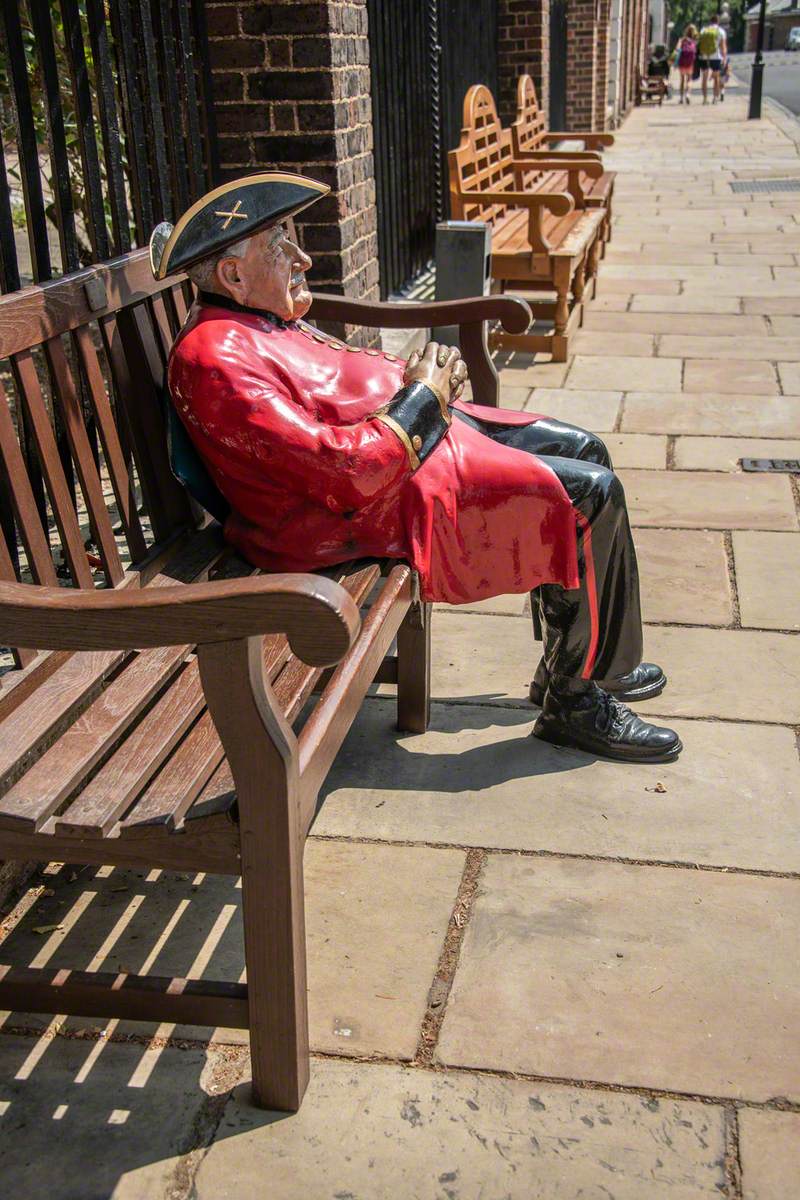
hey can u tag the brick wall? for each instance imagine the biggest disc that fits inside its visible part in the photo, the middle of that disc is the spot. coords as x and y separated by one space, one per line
601 78
582 38
523 47
292 92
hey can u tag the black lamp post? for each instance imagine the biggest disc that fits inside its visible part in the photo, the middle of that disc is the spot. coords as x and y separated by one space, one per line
757 77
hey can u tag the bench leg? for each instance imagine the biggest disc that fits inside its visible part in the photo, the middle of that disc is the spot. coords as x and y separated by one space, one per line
579 282
414 669
561 283
594 257
262 752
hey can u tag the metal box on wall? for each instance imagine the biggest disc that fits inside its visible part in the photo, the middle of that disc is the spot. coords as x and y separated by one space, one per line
463 266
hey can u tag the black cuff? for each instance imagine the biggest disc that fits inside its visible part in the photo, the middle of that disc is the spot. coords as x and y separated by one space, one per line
420 418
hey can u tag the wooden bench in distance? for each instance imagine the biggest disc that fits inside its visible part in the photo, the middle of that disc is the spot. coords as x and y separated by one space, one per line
149 720
650 89
532 142
540 242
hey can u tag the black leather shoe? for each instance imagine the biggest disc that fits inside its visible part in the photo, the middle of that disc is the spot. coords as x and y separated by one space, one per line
642 683
596 722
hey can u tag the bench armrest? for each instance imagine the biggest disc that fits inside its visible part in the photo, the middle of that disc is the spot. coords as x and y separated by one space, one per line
567 155
319 618
589 139
511 311
592 167
559 203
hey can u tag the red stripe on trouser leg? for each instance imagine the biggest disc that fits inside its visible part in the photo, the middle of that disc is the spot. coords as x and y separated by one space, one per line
591 590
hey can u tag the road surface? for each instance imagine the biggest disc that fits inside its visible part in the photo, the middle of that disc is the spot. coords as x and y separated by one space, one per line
781 74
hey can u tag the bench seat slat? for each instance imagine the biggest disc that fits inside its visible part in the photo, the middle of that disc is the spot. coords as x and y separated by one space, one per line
296 682
167 797
58 697
219 793
35 797
110 792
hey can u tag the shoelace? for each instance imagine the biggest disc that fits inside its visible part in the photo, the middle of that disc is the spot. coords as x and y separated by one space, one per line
612 716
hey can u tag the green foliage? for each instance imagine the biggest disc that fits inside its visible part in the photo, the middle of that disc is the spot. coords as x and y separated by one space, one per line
8 128
699 12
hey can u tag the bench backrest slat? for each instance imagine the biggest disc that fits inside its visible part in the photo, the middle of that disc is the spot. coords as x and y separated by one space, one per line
529 128
60 494
67 401
115 456
483 160
82 441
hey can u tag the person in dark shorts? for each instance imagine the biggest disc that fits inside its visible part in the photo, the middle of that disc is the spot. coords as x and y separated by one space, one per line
712 49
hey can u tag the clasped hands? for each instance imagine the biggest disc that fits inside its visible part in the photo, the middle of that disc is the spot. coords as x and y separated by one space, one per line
439 367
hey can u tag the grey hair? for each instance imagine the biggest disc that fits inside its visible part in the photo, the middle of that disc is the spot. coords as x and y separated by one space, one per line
202 273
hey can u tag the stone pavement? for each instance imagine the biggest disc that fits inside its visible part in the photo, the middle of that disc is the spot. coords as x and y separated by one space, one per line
532 975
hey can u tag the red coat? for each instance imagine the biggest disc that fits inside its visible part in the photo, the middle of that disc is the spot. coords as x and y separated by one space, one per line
281 418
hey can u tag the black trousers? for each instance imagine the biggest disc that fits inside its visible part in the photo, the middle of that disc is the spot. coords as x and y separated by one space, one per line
594 631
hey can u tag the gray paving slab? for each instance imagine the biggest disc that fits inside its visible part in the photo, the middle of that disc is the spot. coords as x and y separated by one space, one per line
595 410
738 675
769 1147
767 575
637 450
643 976
87 1120
732 376
484 659
375 1132
376 917
488 660
478 778
712 413
724 454
626 373
709 500
683 576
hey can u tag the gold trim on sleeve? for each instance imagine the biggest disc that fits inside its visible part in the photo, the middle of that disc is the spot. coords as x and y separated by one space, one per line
397 429
447 416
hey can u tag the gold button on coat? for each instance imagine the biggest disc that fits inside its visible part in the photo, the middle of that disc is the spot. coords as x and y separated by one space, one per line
416 442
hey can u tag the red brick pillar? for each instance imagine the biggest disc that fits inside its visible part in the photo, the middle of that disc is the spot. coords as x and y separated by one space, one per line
292 92
601 78
628 90
581 64
523 48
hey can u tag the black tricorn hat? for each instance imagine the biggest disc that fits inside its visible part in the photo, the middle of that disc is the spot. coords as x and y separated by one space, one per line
226 215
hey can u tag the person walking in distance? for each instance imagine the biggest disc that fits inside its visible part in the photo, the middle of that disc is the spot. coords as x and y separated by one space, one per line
712 48
685 55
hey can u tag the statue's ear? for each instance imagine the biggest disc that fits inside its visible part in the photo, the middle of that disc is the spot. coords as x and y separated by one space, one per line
228 275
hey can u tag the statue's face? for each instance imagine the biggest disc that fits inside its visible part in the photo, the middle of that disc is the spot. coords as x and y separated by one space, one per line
271 274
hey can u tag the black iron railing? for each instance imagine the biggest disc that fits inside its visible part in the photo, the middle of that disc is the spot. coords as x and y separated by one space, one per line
558 64
424 55
106 127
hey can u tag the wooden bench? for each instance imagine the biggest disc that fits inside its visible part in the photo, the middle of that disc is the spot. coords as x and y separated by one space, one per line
532 141
649 88
540 241
148 720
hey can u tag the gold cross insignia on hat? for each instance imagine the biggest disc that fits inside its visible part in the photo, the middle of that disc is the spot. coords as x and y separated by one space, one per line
233 213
